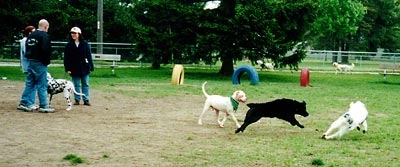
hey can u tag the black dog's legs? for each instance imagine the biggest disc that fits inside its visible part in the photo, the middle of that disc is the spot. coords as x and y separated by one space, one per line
294 122
241 129
247 121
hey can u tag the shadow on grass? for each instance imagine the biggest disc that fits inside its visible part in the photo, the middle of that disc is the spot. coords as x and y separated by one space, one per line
386 82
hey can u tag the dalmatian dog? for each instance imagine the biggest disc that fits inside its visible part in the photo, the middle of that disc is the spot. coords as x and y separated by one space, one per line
56 86
221 103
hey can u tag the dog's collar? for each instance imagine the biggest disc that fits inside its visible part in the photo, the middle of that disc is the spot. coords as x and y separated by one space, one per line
235 104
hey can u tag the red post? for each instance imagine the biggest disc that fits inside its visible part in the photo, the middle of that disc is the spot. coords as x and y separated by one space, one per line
304 77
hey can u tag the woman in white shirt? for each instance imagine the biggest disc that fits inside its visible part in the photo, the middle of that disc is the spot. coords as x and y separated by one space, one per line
25 61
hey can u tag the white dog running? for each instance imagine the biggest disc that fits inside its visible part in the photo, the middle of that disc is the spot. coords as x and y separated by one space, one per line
343 67
354 118
56 86
219 103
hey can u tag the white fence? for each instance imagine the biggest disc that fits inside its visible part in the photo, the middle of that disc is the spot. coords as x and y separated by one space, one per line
320 58
338 56
364 61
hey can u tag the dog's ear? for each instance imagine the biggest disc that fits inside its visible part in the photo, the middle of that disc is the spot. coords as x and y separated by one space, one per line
238 92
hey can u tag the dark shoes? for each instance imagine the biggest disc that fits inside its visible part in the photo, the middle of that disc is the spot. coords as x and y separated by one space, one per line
86 103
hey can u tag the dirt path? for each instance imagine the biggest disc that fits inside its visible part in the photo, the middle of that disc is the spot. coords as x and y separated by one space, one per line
130 131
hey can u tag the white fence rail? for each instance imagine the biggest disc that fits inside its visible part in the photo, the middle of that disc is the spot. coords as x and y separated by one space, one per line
339 56
319 58
363 60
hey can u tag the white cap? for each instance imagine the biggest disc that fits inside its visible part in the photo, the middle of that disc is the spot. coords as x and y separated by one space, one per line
76 29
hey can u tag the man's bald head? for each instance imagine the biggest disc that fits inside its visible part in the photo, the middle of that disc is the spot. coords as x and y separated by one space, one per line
43 25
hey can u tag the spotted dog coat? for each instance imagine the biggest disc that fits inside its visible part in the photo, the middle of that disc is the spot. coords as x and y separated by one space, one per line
56 86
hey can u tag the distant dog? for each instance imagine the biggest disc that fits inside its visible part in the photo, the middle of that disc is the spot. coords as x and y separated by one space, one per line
225 104
354 118
265 65
56 86
284 109
343 67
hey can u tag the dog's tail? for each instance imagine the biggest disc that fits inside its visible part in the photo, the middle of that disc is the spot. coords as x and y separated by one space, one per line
204 89
75 92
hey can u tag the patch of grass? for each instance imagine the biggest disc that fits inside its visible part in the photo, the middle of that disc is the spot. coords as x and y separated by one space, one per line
74 159
70 157
77 160
105 155
317 162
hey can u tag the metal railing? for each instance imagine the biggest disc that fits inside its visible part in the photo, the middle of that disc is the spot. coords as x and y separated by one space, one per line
12 51
123 49
320 59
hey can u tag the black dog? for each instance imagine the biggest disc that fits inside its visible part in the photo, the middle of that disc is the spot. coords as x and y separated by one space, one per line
281 108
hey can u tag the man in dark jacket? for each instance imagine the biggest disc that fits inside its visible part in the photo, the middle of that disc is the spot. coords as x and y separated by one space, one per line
78 64
38 51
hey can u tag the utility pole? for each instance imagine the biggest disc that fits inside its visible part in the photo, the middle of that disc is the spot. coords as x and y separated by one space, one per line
100 28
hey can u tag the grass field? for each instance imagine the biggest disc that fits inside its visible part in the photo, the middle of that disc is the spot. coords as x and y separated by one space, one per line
270 142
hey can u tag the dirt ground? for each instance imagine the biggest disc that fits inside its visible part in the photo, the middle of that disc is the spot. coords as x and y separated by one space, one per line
128 131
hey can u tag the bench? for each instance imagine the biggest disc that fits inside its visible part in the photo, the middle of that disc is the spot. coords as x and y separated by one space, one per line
108 57
392 67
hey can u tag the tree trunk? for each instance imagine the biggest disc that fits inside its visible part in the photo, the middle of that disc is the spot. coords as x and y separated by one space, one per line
345 56
156 64
227 65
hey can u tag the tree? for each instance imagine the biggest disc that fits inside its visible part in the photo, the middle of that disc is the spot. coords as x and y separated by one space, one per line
276 30
16 15
173 31
380 26
62 16
260 29
337 22
227 36
164 31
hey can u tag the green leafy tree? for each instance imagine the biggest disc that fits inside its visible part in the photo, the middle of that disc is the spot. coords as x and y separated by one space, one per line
337 23
380 27
62 15
261 29
164 31
173 31
275 30
16 16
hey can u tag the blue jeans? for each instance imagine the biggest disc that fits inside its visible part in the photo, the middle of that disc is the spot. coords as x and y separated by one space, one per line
84 80
36 80
24 64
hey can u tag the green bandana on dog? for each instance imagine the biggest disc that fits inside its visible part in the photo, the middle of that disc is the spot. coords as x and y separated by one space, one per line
235 104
